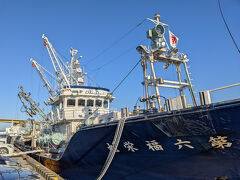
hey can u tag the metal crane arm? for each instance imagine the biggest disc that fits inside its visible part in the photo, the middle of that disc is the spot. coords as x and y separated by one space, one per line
34 106
46 83
56 63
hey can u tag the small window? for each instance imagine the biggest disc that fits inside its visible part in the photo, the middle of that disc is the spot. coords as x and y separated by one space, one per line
90 102
105 104
98 103
71 102
81 102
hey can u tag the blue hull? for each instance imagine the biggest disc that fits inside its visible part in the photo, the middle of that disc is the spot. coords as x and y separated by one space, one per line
196 143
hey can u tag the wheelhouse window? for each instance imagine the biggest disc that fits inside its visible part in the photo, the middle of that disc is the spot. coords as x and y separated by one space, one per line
81 102
98 103
90 102
105 104
71 102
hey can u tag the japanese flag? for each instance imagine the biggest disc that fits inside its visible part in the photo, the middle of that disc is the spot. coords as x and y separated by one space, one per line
173 39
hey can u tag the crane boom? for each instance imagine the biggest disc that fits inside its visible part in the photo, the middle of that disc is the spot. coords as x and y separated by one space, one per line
46 83
62 78
34 107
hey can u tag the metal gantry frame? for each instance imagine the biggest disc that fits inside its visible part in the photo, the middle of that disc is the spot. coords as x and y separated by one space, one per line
160 52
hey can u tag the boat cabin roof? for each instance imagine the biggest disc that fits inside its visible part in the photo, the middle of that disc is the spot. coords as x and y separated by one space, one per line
90 87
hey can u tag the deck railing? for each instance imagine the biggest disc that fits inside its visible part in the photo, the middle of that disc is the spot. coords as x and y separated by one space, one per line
205 96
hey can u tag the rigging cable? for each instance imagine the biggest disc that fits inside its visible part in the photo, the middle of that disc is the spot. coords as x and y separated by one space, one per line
219 5
93 82
116 42
39 84
126 76
116 58
61 54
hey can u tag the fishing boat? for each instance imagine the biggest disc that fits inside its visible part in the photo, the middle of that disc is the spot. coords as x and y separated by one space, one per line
169 139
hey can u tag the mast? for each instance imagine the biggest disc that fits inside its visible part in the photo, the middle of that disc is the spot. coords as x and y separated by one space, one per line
160 52
76 73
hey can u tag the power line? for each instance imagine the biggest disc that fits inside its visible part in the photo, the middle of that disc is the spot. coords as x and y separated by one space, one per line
126 76
219 5
116 42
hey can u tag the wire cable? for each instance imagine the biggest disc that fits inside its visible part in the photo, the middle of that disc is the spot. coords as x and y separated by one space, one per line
116 58
126 76
61 54
93 82
116 42
113 59
219 5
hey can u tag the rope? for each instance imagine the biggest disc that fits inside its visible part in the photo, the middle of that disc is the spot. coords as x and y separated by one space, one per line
116 42
117 137
126 76
219 5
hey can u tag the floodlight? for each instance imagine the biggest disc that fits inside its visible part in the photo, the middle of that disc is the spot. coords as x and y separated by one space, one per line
159 29
142 49
156 32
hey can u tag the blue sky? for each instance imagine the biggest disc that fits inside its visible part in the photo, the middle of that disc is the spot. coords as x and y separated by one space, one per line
92 26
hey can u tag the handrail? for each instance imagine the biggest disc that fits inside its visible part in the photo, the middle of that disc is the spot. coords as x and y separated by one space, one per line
224 87
205 97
